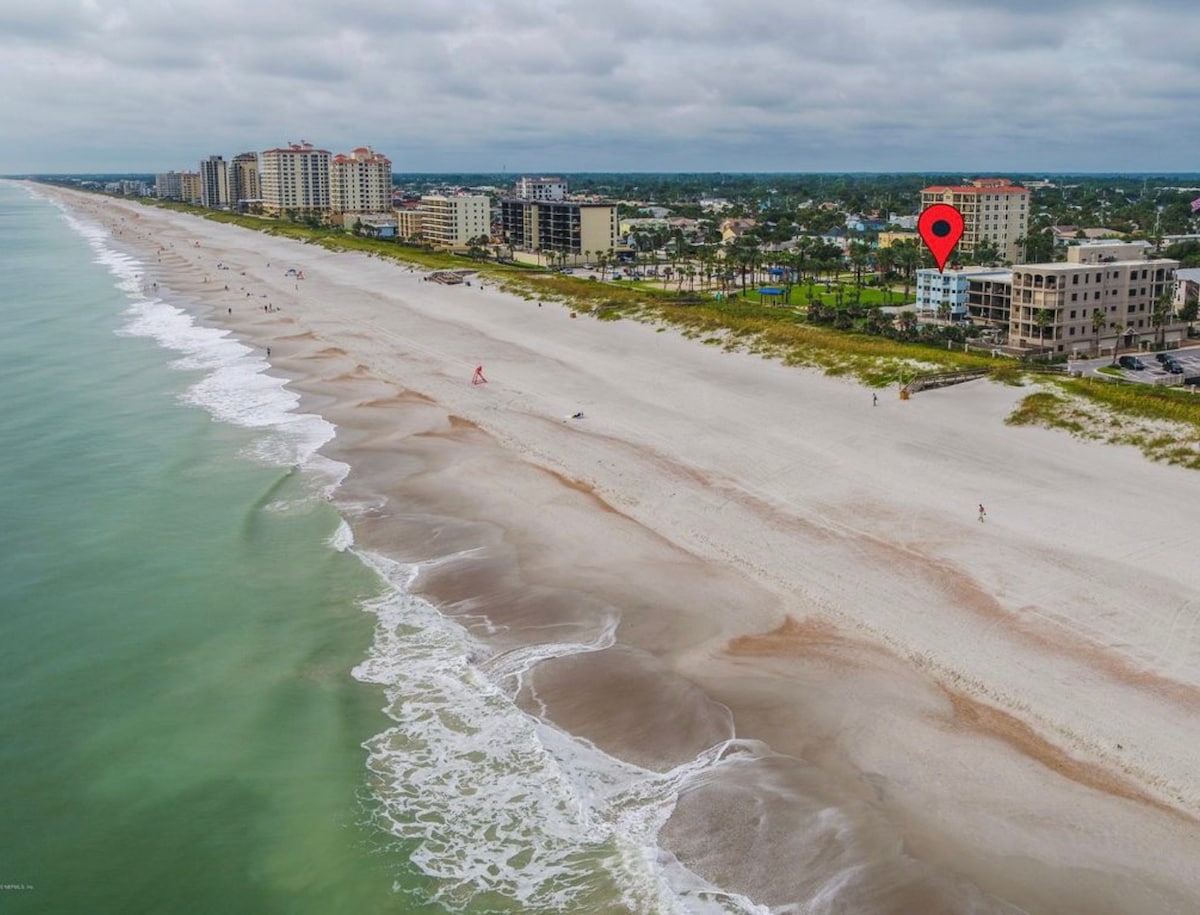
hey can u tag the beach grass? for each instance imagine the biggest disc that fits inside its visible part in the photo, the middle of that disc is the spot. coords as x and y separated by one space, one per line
1163 422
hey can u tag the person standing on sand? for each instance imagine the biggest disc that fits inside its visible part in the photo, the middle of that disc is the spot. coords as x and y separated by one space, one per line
874 400
982 512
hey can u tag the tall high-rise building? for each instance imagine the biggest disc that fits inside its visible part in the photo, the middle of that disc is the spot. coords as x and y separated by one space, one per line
214 182
360 182
992 208
295 180
544 188
244 180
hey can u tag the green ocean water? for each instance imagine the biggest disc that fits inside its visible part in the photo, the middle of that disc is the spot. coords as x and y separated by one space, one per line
181 730
212 702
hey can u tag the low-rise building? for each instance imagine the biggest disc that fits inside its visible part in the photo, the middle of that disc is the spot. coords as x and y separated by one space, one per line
1106 295
945 294
453 221
887 239
573 228
409 223
989 298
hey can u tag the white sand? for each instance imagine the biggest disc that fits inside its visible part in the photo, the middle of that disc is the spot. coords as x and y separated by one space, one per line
1014 701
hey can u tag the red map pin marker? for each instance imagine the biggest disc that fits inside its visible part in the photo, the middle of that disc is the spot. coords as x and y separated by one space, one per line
941 226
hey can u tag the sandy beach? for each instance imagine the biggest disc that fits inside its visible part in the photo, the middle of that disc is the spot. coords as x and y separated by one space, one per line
926 712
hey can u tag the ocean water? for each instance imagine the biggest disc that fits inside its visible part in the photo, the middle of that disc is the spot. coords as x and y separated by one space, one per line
212 701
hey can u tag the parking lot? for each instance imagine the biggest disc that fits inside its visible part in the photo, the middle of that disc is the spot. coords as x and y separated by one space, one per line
1152 371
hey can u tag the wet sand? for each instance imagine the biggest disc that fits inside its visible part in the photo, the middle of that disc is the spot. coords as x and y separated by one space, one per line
931 713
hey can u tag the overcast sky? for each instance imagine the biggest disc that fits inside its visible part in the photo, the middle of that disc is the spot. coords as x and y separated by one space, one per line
620 85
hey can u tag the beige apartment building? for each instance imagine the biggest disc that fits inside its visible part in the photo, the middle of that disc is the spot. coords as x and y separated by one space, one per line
452 221
567 227
360 182
409 223
295 180
1115 280
189 187
992 208
244 180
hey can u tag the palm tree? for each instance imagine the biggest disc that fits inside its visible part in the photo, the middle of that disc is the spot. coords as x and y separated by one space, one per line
1160 315
860 256
908 257
1043 318
1098 321
1120 331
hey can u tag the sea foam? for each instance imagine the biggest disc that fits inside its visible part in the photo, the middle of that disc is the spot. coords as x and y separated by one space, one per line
235 386
488 798
497 801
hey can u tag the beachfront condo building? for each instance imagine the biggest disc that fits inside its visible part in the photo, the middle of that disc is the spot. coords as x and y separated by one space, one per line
543 188
214 182
168 186
992 208
944 294
453 221
245 184
295 181
409 223
1104 296
189 187
360 182
573 228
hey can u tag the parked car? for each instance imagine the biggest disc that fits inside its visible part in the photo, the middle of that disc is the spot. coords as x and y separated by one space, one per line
1133 363
1173 367
1164 357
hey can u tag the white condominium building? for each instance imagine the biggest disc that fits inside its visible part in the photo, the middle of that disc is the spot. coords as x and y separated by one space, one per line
214 182
454 221
360 182
544 188
992 208
295 179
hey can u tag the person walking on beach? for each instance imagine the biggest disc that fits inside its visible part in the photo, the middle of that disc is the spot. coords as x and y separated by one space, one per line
982 512
874 400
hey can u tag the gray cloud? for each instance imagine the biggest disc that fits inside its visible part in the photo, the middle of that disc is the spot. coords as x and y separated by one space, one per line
1020 85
